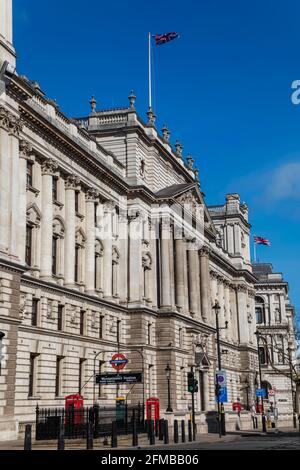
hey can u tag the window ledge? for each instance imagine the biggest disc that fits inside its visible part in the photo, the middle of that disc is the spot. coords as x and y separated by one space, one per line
58 204
34 398
80 216
33 190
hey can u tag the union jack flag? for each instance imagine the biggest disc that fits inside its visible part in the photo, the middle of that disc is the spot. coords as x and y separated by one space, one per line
261 241
163 38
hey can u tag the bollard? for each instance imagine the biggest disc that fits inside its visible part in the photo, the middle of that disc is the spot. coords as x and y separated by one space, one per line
183 431
114 436
61 436
152 435
27 438
89 436
157 428
161 430
190 431
135 439
176 436
166 432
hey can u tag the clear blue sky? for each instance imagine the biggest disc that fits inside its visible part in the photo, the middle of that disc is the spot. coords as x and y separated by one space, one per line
223 88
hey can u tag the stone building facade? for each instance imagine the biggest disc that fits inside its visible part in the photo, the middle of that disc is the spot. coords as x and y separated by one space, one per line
106 245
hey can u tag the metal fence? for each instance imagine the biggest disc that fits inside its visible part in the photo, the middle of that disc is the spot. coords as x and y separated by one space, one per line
75 421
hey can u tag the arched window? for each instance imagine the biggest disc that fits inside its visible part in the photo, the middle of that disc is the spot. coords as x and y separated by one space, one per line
260 310
115 271
79 256
147 262
98 265
33 220
57 247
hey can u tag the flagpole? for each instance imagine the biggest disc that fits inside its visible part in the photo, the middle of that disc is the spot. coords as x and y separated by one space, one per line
254 252
150 71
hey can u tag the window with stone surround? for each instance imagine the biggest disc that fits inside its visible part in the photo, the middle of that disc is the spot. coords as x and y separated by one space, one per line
32 388
115 272
98 265
58 247
58 376
28 244
260 310
35 311
82 362
60 317
79 256
29 174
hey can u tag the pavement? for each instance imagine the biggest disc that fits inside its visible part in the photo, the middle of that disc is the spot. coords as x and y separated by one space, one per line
284 439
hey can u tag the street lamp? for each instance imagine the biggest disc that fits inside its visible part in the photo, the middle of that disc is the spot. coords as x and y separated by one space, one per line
289 350
221 412
263 418
168 371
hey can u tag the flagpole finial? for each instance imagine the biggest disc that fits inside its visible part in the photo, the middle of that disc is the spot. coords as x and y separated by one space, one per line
93 104
151 118
166 133
179 148
132 99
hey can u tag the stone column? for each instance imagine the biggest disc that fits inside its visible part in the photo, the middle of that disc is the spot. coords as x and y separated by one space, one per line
14 130
242 313
71 185
135 258
205 287
222 305
49 167
237 239
214 286
25 151
165 264
206 390
107 252
193 278
4 180
230 236
153 272
233 316
179 273
228 332
90 230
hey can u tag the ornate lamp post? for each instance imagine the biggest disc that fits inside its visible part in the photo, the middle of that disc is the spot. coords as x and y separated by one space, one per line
263 418
168 371
289 350
221 412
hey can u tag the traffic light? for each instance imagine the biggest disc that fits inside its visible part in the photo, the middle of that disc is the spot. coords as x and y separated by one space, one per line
192 383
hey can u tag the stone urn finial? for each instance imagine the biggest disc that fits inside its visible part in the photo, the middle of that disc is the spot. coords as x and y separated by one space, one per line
179 148
151 117
93 104
132 99
165 133
190 162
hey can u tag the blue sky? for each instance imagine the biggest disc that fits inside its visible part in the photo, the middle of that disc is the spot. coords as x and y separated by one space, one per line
223 88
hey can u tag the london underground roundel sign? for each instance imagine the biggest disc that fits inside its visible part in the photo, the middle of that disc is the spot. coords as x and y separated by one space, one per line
118 361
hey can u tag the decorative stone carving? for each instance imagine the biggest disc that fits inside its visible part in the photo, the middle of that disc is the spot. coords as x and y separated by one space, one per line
22 307
178 149
73 316
151 118
146 261
93 320
166 133
132 99
190 162
25 149
142 168
15 125
205 251
72 182
50 310
49 167
91 195
33 215
4 118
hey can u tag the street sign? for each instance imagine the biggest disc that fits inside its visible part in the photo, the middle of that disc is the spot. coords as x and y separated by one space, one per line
126 377
223 398
221 377
260 392
118 361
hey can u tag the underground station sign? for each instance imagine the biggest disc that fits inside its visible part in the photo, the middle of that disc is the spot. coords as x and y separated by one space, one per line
118 361
123 378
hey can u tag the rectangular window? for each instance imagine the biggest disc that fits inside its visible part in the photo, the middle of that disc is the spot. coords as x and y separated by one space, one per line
58 376
54 189
35 312
77 248
101 327
32 372
60 315
118 330
81 375
29 174
262 356
28 246
82 322
149 333
54 255
96 211
100 372
77 202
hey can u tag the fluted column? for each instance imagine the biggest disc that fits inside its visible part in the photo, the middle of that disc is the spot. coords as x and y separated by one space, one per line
179 272
205 287
193 280
90 201
49 167
165 264
242 313
14 131
4 180
71 185
25 151
107 252
153 272
234 315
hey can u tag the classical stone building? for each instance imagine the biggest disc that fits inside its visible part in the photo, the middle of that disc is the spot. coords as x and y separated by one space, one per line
106 245
277 347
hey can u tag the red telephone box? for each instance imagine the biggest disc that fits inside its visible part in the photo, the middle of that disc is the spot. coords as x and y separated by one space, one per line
259 408
74 409
152 408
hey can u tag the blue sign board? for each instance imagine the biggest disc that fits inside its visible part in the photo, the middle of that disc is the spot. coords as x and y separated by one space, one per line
260 392
222 395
